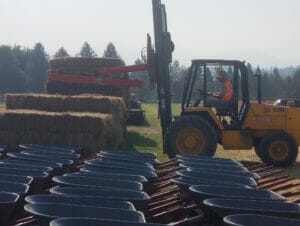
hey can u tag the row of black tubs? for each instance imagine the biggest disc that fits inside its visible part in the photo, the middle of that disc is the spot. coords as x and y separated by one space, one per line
229 194
111 188
30 171
116 188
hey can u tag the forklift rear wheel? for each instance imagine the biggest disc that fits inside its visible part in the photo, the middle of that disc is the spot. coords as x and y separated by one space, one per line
279 149
191 135
258 151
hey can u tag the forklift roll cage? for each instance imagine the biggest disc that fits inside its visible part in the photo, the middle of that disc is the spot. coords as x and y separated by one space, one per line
240 76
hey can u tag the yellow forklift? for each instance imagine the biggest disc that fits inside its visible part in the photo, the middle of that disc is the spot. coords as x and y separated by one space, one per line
272 130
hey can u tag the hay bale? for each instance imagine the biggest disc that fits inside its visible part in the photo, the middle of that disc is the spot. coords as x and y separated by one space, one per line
83 65
86 66
92 131
61 88
60 103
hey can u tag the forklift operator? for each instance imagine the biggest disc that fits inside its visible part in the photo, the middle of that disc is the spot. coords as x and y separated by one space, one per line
225 94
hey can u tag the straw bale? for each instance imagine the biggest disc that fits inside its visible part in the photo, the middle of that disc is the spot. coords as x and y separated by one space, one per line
91 131
56 87
60 103
83 65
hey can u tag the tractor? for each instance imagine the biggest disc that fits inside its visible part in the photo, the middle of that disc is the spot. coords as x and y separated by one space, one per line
272 130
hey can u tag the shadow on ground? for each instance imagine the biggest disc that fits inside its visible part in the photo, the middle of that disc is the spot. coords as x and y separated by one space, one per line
135 139
144 124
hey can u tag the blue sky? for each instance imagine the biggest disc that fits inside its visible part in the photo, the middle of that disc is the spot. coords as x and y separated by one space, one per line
264 32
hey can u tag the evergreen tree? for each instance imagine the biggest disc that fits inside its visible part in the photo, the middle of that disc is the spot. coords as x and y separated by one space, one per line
177 76
36 70
86 51
111 51
61 52
11 76
252 82
296 84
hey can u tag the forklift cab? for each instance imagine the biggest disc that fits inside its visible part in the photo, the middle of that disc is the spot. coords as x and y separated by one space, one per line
199 82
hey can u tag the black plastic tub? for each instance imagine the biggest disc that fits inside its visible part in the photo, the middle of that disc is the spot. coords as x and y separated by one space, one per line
229 172
201 193
129 159
74 181
16 179
183 156
119 165
40 179
18 188
138 198
84 201
184 185
123 177
213 166
131 153
58 154
91 169
225 207
55 157
210 161
36 158
43 149
218 177
95 222
8 202
45 213
57 167
139 164
9 164
258 220
62 148
3 147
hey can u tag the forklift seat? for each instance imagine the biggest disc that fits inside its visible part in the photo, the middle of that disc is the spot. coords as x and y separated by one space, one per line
225 109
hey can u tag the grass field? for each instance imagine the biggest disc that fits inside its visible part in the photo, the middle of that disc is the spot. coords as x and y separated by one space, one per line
147 138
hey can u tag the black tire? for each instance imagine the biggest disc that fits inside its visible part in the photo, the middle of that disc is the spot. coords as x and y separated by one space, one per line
195 123
287 148
258 151
259 154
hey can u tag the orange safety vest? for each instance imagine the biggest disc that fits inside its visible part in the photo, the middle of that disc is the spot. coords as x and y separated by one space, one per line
228 92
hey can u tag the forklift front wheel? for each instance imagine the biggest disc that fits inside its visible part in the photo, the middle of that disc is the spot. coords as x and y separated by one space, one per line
191 135
279 149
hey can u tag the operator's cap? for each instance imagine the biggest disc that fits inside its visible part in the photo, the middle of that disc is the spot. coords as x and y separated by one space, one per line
222 74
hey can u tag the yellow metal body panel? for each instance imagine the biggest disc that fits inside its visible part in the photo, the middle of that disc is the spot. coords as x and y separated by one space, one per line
237 140
260 120
265 117
293 123
202 110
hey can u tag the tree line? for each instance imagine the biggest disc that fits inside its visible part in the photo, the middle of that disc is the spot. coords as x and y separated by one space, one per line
274 85
25 70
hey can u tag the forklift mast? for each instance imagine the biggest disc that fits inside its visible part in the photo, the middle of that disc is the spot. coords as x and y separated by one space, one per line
162 57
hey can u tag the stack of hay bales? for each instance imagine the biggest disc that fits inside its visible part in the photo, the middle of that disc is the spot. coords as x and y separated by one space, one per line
86 66
89 121
61 103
